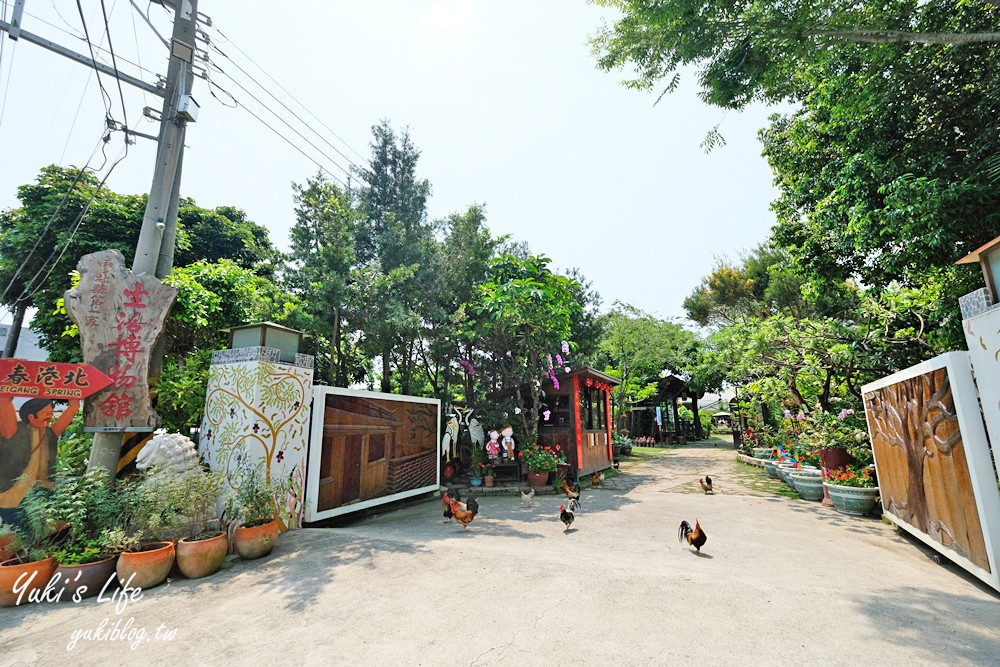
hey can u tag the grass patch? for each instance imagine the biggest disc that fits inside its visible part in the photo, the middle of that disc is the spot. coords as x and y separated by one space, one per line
646 453
757 482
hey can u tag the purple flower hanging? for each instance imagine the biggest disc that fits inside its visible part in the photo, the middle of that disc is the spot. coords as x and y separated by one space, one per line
565 347
546 415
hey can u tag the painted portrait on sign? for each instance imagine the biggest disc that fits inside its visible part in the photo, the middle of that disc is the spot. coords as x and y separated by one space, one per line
28 448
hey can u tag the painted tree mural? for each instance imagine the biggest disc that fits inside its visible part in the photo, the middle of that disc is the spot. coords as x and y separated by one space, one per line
923 471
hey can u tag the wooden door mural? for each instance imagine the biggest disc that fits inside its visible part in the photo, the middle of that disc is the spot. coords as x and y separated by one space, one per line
935 475
369 448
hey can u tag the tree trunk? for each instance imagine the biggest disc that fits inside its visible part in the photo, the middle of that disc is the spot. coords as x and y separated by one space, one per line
14 333
699 433
386 369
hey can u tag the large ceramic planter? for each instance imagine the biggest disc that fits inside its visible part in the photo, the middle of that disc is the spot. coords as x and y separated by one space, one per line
538 479
146 568
200 558
626 450
771 468
475 481
87 580
488 480
255 541
762 452
834 457
808 485
38 572
852 500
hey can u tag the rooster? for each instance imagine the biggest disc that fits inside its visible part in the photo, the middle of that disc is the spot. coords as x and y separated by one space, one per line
463 517
706 484
566 517
447 499
696 537
573 494
597 479
528 497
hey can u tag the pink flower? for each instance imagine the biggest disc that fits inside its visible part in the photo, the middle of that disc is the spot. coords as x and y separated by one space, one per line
546 414
800 416
565 347
555 383
559 361
788 414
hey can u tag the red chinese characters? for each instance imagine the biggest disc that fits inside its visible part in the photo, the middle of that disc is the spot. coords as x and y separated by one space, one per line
119 404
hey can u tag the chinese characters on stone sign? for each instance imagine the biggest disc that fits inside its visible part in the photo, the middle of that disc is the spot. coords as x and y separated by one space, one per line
120 316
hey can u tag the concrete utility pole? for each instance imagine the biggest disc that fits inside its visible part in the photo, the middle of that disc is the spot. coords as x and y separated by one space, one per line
159 223
154 252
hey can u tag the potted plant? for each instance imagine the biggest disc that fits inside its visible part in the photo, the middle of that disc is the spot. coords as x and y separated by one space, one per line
79 510
144 560
852 489
540 461
203 546
253 510
476 466
30 567
488 474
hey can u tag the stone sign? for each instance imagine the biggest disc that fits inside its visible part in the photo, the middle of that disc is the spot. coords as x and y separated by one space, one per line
120 316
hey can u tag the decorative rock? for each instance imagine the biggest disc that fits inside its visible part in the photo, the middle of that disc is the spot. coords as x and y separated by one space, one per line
168 451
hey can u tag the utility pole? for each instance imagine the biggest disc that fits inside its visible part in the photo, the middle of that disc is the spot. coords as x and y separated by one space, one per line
157 223
154 252
155 249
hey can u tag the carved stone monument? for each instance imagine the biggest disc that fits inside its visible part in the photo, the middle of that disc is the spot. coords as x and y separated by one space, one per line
120 316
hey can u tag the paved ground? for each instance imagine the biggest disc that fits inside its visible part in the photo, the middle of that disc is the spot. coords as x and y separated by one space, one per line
782 581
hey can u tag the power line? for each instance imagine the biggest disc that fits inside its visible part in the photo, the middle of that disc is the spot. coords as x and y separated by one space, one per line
245 55
86 33
287 124
121 95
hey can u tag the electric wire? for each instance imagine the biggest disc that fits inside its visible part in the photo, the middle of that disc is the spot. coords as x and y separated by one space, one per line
114 63
90 45
245 55
275 98
52 218
287 124
76 226
145 17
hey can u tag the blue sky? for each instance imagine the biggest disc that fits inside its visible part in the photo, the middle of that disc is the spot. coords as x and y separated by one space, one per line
502 99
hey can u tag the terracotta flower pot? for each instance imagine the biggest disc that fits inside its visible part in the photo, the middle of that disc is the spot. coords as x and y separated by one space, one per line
88 578
538 479
488 480
255 541
201 558
151 565
39 572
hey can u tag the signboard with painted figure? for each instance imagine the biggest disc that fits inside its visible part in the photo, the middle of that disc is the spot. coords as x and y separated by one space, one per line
28 447
47 379
120 316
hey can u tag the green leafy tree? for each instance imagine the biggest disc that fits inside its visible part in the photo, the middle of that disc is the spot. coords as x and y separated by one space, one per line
323 252
759 50
526 310
396 241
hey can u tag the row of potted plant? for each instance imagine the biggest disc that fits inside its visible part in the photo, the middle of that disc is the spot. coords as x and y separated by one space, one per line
89 535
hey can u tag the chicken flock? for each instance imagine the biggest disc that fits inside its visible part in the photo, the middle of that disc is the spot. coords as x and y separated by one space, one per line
464 512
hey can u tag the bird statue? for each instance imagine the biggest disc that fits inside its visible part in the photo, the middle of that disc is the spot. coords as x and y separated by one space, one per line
706 485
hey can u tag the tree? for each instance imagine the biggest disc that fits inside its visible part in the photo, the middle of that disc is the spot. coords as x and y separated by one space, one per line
524 313
224 233
638 348
758 50
395 240
324 256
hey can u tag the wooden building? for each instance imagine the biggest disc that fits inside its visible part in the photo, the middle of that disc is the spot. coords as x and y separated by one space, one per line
580 419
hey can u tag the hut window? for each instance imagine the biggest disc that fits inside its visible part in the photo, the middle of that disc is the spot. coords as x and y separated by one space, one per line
586 409
376 447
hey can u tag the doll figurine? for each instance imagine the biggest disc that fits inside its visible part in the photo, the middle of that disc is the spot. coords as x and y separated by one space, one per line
507 442
493 446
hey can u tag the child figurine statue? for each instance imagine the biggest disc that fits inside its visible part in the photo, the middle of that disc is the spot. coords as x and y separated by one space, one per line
493 446
507 442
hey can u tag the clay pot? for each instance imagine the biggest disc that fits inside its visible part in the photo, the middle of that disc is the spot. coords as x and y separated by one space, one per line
200 558
151 565
39 571
88 578
538 479
255 541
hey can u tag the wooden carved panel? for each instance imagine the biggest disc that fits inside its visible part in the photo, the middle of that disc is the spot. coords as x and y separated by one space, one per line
923 469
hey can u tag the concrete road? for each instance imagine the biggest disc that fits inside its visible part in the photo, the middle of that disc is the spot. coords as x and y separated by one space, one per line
782 581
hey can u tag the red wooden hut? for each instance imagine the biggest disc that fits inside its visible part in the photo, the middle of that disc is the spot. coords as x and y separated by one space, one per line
580 419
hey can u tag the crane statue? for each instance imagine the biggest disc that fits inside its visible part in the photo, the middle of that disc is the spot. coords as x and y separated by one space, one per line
459 421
